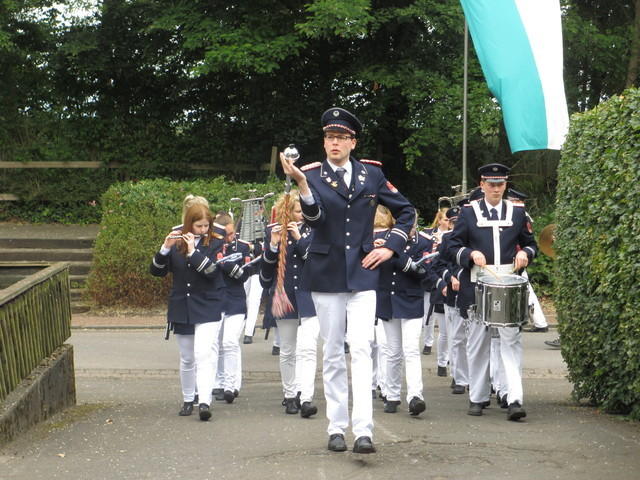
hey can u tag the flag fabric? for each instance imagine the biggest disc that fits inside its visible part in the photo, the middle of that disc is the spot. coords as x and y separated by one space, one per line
519 45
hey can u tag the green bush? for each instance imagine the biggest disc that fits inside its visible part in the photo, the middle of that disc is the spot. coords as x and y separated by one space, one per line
598 271
136 218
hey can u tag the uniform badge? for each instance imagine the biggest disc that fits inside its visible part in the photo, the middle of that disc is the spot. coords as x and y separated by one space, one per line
334 184
336 113
361 178
328 180
391 187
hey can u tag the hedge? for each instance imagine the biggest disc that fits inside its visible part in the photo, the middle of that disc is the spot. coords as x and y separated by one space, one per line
136 218
598 264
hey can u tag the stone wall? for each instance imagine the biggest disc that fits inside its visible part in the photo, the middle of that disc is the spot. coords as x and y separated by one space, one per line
49 389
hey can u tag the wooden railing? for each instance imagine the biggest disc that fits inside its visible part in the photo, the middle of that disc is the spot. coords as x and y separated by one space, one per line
35 319
234 167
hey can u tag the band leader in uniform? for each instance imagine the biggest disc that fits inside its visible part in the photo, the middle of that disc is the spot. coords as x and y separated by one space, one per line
339 198
492 233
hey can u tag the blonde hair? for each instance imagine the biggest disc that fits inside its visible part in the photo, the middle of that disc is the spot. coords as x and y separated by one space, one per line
294 197
190 200
383 218
441 213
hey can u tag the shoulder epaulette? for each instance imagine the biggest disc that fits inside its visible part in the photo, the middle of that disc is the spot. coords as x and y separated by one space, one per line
371 162
310 166
518 205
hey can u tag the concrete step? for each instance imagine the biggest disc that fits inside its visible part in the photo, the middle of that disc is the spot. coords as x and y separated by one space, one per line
46 255
47 243
78 295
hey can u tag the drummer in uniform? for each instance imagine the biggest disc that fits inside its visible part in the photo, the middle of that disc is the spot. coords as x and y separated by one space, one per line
339 198
486 237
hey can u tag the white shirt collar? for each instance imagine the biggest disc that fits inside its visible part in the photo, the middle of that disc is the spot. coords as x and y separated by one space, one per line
497 207
348 170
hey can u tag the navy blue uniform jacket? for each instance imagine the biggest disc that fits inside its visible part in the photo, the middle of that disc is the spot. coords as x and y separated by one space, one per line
468 236
296 255
235 296
197 290
343 226
400 294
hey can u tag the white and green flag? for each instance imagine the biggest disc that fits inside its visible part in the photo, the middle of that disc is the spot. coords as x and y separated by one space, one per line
519 44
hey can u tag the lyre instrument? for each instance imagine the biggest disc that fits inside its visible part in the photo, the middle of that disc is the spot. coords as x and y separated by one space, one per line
252 219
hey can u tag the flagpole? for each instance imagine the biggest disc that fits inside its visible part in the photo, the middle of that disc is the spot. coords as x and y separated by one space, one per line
464 108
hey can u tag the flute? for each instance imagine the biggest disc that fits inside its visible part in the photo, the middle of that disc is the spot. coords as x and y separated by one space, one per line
182 236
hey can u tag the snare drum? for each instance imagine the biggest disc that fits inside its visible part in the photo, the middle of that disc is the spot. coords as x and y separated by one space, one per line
502 301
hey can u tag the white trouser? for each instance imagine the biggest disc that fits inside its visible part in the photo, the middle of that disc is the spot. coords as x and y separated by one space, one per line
333 310
443 338
253 289
231 353
187 367
298 345
478 352
428 327
379 354
403 339
199 357
496 367
458 352
538 318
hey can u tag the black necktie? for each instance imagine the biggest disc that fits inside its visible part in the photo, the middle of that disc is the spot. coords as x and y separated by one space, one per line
494 214
341 171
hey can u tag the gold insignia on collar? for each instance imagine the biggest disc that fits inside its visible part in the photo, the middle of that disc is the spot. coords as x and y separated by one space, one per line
334 184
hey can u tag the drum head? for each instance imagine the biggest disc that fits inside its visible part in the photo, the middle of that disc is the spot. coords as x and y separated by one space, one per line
502 280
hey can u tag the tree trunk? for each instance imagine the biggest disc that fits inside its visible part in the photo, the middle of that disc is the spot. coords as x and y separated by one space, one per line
634 57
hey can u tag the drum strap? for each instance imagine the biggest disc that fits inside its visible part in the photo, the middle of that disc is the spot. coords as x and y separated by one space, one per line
495 225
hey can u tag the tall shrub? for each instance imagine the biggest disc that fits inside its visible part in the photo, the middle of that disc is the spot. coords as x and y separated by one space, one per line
136 218
598 245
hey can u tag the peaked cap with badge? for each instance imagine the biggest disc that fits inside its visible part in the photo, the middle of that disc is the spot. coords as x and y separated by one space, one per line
341 120
494 173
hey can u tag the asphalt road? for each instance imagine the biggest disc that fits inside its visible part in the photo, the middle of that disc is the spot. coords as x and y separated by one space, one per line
125 426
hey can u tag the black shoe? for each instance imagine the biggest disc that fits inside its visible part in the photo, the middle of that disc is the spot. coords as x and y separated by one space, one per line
391 406
442 371
416 406
503 402
485 404
383 398
290 406
458 389
363 445
186 410
426 350
515 412
236 393
337 443
553 343
346 348
228 396
453 383
275 350
247 339
218 394
538 329
307 409
195 399
475 409
203 412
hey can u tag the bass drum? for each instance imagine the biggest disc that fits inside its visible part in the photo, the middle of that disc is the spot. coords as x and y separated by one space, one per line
502 301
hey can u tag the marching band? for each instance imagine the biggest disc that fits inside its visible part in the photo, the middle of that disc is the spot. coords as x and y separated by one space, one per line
330 271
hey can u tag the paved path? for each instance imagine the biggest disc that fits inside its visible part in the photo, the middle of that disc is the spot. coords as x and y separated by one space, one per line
125 427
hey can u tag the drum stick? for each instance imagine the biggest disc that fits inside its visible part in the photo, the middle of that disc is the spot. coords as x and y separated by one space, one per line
488 269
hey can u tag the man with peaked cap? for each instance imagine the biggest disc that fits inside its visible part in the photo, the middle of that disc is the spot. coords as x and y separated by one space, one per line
339 198
493 233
